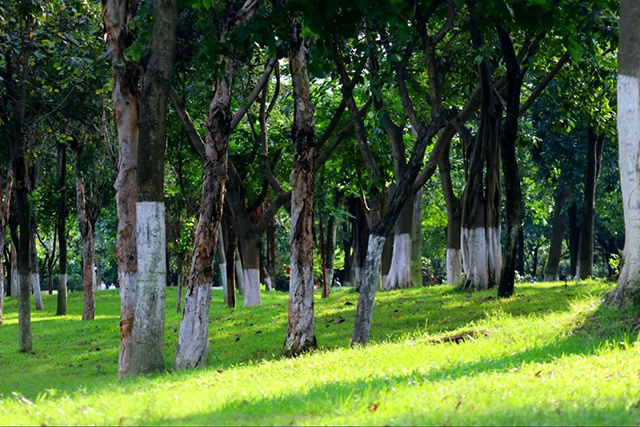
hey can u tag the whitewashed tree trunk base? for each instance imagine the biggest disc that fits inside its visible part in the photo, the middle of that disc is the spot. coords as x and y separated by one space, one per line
252 294
239 273
475 258
400 270
147 335
627 292
193 344
454 266
223 279
494 255
37 292
127 291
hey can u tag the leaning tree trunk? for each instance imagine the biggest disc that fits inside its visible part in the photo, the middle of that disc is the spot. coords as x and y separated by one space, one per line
118 17
416 240
147 335
301 334
35 277
557 233
88 252
595 145
627 292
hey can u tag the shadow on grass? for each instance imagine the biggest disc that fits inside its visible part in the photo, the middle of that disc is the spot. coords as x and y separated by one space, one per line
588 337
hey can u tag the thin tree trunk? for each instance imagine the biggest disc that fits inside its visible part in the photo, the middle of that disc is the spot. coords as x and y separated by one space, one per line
346 243
271 251
35 277
88 251
250 248
330 244
147 335
595 146
574 237
14 270
118 17
400 270
231 240
61 307
239 270
627 292
454 224
180 266
557 233
300 327
222 264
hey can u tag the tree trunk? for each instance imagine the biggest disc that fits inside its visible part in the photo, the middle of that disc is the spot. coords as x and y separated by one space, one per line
387 254
147 335
595 146
416 241
557 233
231 240
222 264
574 237
520 267
300 327
481 252
14 270
118 17
239 271
35 277
61 307
5 204
250 247
330 244
346 243
400 270
180 266
271 251
454 223
513 192
627 292
88 251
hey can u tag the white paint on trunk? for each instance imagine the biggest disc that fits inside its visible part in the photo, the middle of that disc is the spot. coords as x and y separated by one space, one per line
494 254
267 281
252 294
474 257
127 291
239 272
223 278
399 275
454 266
147 336
37 293
193 344
628 288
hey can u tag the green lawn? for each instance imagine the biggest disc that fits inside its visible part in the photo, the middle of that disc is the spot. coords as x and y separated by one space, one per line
549 356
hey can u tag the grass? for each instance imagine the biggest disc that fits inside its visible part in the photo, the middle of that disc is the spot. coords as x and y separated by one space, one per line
551 357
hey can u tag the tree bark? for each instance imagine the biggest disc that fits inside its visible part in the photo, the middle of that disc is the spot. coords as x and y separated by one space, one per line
118 17
301 335
14 270
454 223
61 307
400 270
147 334
595 145
222 264
557 233
193 344
627 292
88 251
330 244
513 192
180 267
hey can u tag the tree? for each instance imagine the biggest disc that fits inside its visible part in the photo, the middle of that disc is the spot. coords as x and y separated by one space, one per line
5 203
627 292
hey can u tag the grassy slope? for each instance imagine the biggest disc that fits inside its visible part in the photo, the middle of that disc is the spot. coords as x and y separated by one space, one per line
552 357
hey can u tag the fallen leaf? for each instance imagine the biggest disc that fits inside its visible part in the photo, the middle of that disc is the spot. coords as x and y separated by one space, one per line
348 303
374 407
219 371
538 374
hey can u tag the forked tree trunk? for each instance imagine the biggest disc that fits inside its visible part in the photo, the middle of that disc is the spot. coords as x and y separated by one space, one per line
627 292
147 335
557 233
595 146
300 327
118 17
416 241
